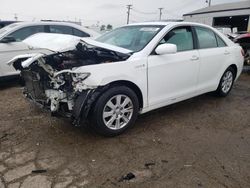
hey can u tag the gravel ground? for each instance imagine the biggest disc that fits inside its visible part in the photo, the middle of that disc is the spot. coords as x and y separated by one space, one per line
202 142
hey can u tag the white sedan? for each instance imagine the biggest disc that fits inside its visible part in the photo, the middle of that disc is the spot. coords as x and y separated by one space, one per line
12 40
131 70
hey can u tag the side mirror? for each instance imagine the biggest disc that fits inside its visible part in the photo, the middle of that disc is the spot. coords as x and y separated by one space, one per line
166 49
8 39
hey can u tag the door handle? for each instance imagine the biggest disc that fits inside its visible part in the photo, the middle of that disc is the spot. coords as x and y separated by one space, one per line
194 58
226 52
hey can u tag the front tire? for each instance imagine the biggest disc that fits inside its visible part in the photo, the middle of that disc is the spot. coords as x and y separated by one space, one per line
226 82
115 111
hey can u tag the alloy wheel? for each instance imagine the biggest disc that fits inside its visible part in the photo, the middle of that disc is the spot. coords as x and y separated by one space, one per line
227 81
118 112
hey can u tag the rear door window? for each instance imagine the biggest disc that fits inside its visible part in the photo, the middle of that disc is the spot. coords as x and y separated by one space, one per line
206 38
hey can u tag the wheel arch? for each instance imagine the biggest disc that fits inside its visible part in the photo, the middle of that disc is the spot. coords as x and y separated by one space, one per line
132 86
235 68
219 92
86 99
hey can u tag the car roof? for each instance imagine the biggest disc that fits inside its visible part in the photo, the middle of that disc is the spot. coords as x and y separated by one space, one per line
1 21
44 23
24 24
169 24
19 25
150 23
165 23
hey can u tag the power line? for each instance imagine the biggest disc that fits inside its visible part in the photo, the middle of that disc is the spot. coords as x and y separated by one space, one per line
141 12
141 18
184 5
171 13
132 16
129 7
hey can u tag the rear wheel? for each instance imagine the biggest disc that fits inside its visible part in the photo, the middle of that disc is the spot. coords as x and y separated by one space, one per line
226 82
115 111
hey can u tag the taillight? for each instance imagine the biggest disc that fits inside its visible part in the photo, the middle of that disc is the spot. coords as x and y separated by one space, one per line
242 53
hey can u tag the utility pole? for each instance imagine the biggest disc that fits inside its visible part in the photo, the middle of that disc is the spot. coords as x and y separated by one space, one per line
209 2
15 17
129 7
160 13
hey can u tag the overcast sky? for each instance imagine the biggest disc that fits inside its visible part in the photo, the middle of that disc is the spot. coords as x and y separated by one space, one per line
103 11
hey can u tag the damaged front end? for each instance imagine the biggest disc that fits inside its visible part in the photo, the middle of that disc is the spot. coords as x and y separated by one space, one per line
54 82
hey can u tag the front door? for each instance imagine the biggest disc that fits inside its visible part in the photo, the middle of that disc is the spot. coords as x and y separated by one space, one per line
173 76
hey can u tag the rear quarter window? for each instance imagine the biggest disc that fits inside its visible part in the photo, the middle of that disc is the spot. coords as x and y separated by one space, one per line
220 42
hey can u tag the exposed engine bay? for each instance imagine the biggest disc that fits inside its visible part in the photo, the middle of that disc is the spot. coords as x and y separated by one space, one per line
51 80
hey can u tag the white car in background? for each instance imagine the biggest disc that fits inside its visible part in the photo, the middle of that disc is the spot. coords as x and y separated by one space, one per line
130 70
225 30
12 37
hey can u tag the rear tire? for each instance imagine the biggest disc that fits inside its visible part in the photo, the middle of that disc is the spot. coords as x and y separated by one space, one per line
115 111
226 82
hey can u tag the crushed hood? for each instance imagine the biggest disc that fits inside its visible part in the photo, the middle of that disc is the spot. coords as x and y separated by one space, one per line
55 43
61 42
105 46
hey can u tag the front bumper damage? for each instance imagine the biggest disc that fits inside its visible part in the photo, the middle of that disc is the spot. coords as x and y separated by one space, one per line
74 103
56 80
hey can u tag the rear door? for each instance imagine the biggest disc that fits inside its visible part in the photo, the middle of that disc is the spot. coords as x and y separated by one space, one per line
214 53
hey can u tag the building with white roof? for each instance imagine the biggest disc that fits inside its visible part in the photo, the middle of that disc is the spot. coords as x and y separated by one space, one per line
232 15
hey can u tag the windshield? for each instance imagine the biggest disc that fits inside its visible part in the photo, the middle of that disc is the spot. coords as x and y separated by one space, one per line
134 38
